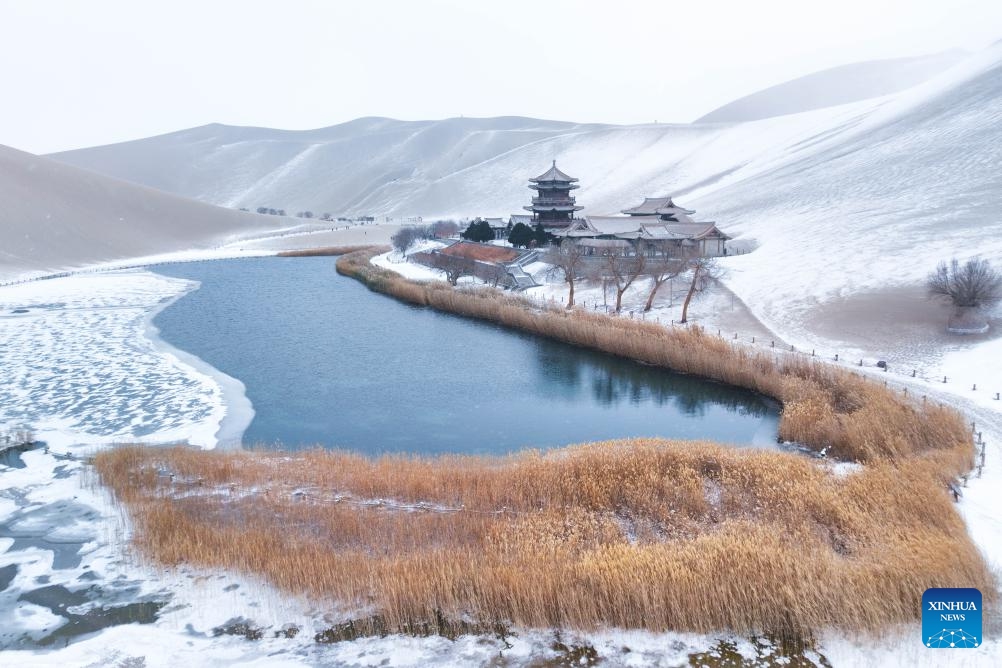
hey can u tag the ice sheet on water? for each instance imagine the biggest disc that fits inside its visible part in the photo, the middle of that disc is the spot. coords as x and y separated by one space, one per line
76 359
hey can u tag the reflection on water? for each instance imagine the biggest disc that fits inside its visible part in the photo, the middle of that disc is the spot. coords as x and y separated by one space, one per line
326 361
612 381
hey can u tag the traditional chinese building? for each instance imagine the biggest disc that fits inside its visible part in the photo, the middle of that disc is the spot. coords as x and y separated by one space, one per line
553 205
656 227
663 208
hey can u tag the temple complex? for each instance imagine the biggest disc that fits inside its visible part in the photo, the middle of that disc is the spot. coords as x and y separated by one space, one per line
657 226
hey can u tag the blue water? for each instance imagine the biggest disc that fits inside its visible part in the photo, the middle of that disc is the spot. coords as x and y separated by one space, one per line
326 361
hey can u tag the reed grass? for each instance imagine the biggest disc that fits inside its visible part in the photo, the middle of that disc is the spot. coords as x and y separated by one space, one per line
643 533
331 250
823 406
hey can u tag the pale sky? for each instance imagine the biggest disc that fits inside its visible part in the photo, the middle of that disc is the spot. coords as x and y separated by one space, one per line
79 73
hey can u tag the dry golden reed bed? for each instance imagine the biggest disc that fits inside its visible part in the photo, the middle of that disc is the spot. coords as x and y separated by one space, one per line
642 533
327 250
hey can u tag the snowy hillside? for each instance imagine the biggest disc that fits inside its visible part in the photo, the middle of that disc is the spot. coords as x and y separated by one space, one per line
831 87
361 167
874 192
874 201
56 217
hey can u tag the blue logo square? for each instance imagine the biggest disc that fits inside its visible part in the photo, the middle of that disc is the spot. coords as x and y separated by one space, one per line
951 618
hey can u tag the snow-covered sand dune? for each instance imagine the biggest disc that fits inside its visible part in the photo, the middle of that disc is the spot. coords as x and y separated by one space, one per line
56 217
352 168
908 183
465 166
834 86
859 196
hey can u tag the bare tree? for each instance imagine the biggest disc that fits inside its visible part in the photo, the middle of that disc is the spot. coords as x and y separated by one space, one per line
453 266
661 269
404 238
623 270
974 283
443 229
704 270
568 258
494 275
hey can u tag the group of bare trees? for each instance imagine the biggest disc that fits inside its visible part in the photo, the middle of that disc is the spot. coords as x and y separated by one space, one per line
456 267
624 270
405 237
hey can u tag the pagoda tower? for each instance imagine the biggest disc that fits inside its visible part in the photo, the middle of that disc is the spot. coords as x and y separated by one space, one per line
553 206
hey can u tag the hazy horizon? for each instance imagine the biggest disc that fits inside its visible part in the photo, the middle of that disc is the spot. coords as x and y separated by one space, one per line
110 70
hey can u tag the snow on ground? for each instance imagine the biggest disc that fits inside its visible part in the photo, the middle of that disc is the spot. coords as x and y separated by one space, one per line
340 235
92 331
79 368
402 265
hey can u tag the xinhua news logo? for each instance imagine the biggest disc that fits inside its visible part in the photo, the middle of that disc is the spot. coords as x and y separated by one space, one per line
951 618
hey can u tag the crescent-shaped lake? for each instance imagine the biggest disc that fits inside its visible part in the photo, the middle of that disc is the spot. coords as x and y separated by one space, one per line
325 361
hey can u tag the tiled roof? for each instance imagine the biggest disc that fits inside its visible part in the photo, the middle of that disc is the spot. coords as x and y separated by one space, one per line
659 206
636 227
481 252
553 174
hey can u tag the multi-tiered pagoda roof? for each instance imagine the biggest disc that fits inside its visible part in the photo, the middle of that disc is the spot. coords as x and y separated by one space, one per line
554 206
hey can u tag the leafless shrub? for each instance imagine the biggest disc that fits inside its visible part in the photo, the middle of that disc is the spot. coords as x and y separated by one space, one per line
455 267
405 237
443 229
17 436
974 283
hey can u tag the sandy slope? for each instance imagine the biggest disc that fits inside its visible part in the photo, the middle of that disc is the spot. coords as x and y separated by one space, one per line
834 86
56 217
352 168
844 202
466 167
911 182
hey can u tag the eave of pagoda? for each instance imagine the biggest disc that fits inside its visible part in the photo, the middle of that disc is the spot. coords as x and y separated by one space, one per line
565 208
553 186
